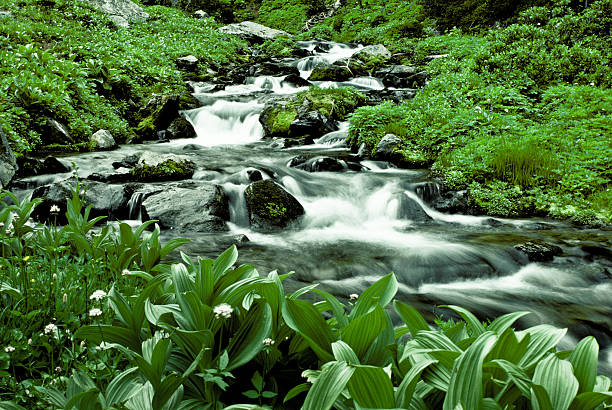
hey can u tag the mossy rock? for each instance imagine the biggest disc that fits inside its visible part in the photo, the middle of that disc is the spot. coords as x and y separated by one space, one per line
156 115
152 167
276 120
330 72
270 207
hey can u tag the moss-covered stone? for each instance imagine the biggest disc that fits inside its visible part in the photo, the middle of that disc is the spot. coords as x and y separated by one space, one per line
330 72
276 119
270 207
152 167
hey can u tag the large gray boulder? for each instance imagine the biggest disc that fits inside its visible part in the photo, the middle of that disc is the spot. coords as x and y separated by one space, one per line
201 209
162 167
121 12
106 200
103 139
270 207
8 162
253 32
377 51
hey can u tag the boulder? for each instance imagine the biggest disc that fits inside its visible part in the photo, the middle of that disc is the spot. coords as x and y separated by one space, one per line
180 128
119 176
103 139
253 32
452 202
270 207
8 162
408 208
121 12
366 60
376 51
162 167
52 165
296 81
330 72
106 200
311 125
156 115
246 176
201 209
274 68
388 147
201 14
539 251
187 63
129 161
322 164
54 132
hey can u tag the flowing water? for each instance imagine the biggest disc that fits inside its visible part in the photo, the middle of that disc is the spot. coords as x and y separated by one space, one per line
357 227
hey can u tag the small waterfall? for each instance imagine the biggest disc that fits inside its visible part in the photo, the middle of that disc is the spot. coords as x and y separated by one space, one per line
366 83
237 204
135 206
227 122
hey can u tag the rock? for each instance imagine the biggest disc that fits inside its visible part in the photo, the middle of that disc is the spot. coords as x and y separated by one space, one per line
246 176
427 191
388 147
416 80
276 118
52 165
192 147
201 209
120 175
330 72
8 162
162 167
187 63
401 71
274 68
296 81
54 132
311 125
129 161
539 251
270 207
366 60
408 208
156 115
201 14
397 96
322 164
452 202
106 200
377 51
103 139
253 32
240 239
122 12
180 128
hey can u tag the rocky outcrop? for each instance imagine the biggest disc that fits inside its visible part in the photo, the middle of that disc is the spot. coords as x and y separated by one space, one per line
330 72
318 164
155 116
106 200
368 59
121 12
103 140
539 251
187 63
180 128
54 132
203 208
270 207
253 32
8 162
162 167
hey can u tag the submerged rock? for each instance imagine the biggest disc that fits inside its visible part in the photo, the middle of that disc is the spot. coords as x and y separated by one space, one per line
539 251
270 207
201 209
253 32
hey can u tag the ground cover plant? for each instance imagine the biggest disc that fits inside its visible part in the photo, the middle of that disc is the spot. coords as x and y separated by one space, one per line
101 318
65 61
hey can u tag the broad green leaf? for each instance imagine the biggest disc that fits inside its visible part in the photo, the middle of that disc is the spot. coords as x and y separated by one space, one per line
336 307
381 292
343 352
556 376
602 384
328 386
9 405
224 262
85 400
457 332
247 341
540 399
125 385
473 323
360 333
9 290
431 339
466 379
411 317
500 324
153 313
584 362
489 404
370 387
109 334
514 374
542 339
591 400
304 318
300 388
405 391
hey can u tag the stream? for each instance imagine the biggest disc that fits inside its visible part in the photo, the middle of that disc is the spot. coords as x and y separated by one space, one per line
356 226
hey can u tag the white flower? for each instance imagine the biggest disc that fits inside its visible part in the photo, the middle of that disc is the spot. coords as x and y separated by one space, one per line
55 277
95 312
353 297
65 298
9 349
125 272
223 311
98 295
30 341
268 342
478 109
58 369
103 346
592 84
82 344
50 328
54 209
505 110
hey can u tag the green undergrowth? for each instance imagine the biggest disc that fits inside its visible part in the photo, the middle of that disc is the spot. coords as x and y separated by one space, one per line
61 59
521 117
102 318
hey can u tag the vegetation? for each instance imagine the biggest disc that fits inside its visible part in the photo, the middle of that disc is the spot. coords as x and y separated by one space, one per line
100 318
61 59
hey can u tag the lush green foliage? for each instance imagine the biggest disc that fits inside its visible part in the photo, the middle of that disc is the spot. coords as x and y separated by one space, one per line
287 15
98 321
520 117
63 60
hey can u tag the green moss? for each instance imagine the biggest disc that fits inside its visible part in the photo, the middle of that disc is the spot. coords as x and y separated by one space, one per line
168 170
274 211
334 103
